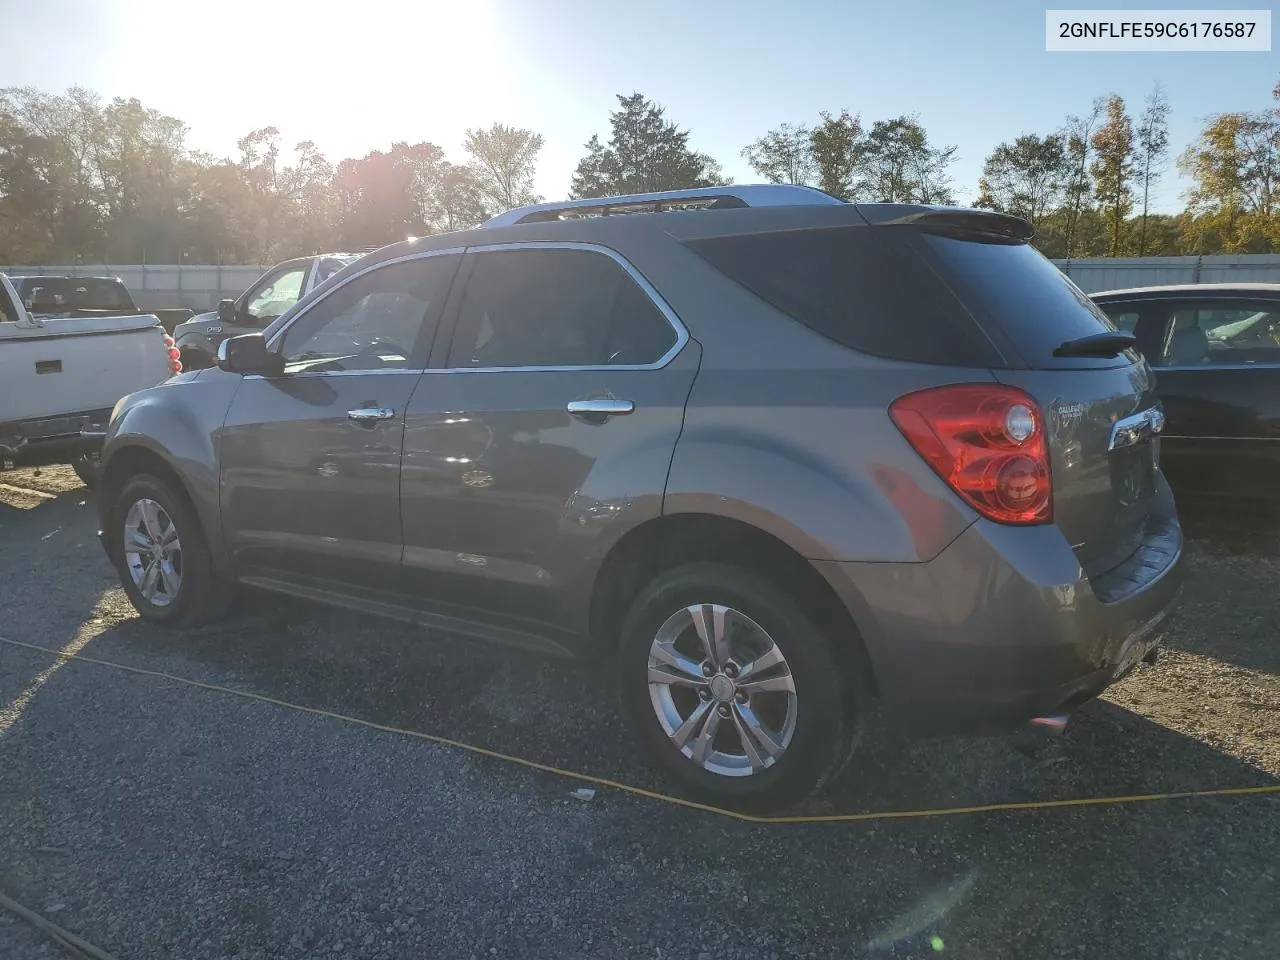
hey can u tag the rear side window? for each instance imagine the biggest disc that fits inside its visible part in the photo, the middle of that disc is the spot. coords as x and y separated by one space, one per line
556 308
863 287
1024 297
1208 332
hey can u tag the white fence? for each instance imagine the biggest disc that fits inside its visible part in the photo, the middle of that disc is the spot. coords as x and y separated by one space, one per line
200 287
160 287
1123 272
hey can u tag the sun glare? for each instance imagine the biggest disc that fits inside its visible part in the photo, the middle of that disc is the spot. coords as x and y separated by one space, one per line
351 77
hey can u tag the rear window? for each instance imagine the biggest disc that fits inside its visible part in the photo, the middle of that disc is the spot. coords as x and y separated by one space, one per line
863 287
1023 296
59 294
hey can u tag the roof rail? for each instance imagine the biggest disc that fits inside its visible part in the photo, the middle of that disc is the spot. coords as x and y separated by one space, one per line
748 195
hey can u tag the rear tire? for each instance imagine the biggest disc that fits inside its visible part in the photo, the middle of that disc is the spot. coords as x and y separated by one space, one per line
162 556
776 673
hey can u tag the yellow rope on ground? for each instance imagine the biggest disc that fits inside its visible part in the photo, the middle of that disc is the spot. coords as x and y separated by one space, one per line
653 794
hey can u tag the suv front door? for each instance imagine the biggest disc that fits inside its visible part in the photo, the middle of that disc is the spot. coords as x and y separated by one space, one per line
311 458
545 427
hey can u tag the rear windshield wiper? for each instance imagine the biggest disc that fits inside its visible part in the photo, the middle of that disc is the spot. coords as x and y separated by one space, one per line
1097 345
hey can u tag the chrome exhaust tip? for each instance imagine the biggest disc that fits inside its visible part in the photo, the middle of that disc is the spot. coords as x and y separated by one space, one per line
1051 723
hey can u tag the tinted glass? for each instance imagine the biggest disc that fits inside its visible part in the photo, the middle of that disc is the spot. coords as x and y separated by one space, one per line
73 293
541 307
1023 296
1206 332
8 312
863 287
1125 320
375 322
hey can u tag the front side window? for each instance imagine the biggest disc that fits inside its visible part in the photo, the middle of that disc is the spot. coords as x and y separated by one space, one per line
556 308
277 295
1204 332
373 322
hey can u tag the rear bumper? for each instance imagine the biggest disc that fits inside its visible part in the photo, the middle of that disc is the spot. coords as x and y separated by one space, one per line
1004 625
49 440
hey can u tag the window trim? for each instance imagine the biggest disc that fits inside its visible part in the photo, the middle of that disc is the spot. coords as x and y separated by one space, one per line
682 333
418 369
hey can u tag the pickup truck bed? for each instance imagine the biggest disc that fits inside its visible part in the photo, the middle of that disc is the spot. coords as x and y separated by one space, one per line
81 298
60 377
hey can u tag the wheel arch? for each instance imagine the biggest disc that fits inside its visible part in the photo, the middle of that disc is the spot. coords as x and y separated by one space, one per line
672 540
168 441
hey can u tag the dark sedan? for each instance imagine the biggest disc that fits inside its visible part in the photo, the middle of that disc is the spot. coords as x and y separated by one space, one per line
1215 349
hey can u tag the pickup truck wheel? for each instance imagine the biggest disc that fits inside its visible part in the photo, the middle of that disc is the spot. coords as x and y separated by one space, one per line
734 688
162 557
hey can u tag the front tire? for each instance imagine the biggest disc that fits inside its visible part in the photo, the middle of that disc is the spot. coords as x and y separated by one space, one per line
734 688
161 555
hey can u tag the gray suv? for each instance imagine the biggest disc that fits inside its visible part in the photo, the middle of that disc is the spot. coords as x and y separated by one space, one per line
771 453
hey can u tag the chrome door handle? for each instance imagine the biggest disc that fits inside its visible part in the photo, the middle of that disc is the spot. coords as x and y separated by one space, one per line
597 411
370 415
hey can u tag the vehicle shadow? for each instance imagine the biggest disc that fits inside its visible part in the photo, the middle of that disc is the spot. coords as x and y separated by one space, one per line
566 714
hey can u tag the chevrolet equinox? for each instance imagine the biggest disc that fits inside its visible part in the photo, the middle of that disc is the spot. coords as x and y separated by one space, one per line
772 453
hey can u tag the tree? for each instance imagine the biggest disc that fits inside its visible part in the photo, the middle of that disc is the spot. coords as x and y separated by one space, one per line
783 155
1078 135
1027 178
836 145
1112 169
503 163
375 200
1235 170
646 153
899 165
454 201
1153 150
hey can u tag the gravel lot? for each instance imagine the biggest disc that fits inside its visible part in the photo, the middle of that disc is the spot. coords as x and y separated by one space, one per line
158 820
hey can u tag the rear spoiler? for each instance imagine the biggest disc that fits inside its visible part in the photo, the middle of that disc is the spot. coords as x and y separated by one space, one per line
958 221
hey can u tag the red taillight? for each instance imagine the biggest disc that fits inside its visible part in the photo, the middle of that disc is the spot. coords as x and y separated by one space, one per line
175 355
987 442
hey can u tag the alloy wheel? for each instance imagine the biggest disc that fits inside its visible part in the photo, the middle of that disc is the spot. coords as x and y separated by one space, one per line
153 552
722 690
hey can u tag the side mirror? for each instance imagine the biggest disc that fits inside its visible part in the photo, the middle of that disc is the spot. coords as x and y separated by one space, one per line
248 353
227 311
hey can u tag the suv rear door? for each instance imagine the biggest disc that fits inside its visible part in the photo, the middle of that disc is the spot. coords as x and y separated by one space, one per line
964 290
1102 414
545 427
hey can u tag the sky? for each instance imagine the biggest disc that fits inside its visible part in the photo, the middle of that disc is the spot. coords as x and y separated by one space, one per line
358 76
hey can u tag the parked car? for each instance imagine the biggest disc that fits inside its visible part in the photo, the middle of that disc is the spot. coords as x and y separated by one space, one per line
1215 348
774 456
59 378
269 296
64 297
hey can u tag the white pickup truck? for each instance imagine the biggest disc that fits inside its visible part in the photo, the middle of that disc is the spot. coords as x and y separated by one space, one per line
60 378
